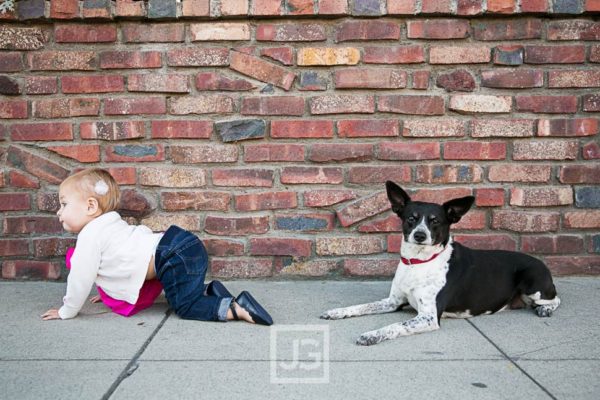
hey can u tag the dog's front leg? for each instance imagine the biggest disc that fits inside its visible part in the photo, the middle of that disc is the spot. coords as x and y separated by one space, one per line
419 324
390 304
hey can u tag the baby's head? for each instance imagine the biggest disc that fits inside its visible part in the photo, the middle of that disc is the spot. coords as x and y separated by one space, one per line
85 196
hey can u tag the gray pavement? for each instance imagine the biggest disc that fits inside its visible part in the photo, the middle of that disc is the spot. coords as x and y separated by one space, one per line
156 355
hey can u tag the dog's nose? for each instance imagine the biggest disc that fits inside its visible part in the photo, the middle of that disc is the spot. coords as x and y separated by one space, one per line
420 237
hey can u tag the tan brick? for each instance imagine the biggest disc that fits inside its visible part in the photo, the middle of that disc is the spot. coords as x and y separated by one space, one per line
328 56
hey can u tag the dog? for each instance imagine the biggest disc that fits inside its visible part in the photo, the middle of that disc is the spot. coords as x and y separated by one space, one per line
442 278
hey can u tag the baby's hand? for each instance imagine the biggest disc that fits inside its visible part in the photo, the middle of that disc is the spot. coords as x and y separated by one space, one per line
50 314
95 299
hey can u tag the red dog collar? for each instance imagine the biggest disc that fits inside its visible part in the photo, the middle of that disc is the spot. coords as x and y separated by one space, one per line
414 261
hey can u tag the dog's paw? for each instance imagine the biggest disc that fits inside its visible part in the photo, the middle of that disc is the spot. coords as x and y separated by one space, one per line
369 338
336 313
543 311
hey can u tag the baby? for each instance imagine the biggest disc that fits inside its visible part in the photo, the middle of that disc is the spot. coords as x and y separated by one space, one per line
119 258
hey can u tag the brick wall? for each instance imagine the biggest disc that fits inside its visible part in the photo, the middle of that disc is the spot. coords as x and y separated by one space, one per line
269 127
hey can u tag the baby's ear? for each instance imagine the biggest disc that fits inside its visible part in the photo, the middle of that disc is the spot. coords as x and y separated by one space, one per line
92 206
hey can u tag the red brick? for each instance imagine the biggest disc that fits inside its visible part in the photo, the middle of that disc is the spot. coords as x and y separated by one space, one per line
573 174
40 85
459 80
508 55
541 197
130 8
469 7
517 79
554 54
474 220
342 104
519 173
13 109
394 243
196 201
203 154
547 104
294 32
242 177
315 175
42 132
21 180
420 79
568 127
112 130
92 84
594 54
502 6
489 197
519 221
487 242
170 83
281 247
284 55
436 6
133 106
130 59
153 33
123 175
363 208
592 5
85 33
14 201
545 150
85 153
64 9
534 6
448 173
52 247
326 198
11 62
223 248
261 70
339 246
198 57
573 265
591 151
66 107
300 7
574 79
216 81
373 78
379 175
266 201
14 247
475 150
27 269
515 29
195 8
301 129
376 267
559 244
273 153
438 29
273 105
408 54
134 204
134 153
367 128
502 128
440 196
333 7
391 223
434 128
459 54
188 129
367 30
31 224
395 151
573 30
179 177
340 152
406 104
587 219
48 202
225 226
241 268
266 7
62 60
591 102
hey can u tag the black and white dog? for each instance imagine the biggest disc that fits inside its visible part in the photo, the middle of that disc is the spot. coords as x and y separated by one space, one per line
442 278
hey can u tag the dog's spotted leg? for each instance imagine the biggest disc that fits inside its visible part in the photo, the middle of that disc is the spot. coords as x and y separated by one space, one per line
387 305
419 324
544 307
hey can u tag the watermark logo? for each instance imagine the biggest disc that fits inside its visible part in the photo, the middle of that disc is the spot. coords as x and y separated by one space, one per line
299 354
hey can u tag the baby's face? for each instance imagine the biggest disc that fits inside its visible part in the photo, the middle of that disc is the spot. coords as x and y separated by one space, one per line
74 210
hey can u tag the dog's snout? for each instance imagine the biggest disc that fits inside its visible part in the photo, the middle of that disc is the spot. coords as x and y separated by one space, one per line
420 237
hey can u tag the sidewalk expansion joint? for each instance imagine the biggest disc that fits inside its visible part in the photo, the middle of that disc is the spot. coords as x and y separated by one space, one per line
133 364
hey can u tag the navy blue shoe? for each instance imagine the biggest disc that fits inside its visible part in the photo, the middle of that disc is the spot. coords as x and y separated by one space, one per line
258 314
216 288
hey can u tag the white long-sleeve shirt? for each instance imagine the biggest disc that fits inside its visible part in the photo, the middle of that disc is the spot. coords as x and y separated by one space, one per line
112 254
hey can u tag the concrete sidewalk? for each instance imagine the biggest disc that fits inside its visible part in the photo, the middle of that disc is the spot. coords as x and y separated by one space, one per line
156 355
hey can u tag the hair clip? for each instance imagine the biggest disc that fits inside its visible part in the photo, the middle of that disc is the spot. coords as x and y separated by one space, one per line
101 188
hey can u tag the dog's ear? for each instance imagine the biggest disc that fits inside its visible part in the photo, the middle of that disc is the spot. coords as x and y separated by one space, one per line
456 208
397 196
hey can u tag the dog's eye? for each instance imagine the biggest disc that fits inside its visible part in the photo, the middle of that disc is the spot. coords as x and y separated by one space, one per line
411 220
434 221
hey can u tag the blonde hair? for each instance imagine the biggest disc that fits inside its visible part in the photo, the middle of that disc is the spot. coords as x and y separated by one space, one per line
99 184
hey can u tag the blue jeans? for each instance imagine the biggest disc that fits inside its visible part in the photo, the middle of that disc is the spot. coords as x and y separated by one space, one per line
181 263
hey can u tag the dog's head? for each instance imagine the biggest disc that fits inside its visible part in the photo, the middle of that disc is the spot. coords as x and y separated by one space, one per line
426 223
